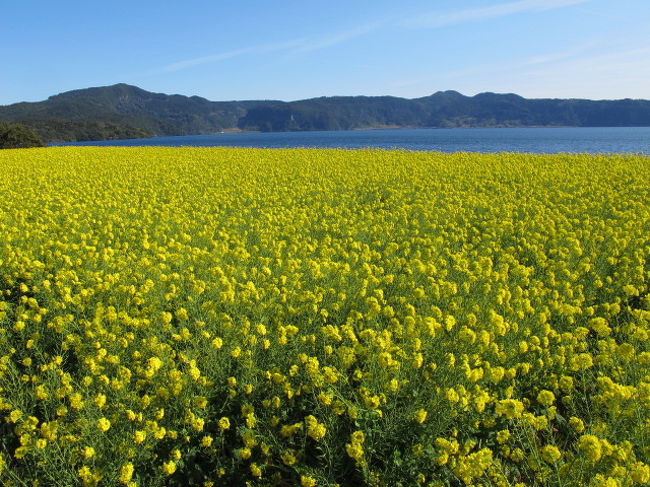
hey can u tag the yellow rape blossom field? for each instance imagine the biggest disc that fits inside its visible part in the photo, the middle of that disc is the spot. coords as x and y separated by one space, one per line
215 317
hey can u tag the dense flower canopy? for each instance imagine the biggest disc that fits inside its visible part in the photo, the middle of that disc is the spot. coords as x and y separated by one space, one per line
321 317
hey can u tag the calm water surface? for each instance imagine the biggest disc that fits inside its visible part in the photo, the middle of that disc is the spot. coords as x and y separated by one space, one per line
535 140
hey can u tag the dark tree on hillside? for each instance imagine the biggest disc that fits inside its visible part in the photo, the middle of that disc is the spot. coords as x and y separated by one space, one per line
17 136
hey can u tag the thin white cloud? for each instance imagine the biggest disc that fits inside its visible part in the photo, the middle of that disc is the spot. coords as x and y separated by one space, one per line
570 52
337 38
619 67
437 19
258 49
189 63
295 46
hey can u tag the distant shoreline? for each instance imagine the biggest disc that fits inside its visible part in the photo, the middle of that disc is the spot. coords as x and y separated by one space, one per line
236 131
539 140
401 127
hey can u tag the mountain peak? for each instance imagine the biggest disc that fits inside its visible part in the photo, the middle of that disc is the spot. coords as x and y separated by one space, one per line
490 94
116 89
449 94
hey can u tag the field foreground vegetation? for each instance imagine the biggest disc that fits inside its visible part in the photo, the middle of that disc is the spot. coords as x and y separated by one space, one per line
320 317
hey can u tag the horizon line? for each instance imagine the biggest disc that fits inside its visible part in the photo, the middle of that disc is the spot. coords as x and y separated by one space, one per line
325 96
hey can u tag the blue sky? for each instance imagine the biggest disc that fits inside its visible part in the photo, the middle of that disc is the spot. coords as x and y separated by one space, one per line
289 50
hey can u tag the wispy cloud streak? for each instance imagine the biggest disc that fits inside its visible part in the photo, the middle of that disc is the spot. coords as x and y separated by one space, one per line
295 46
222 56
337 38
437 19
568 53
622 61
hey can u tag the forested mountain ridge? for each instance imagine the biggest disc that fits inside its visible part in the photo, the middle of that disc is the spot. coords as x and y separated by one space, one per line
125 111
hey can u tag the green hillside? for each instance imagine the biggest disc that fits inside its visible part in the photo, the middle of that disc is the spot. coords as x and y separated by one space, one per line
124 111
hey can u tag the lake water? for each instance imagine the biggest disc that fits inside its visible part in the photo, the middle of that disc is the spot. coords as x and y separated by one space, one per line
535 140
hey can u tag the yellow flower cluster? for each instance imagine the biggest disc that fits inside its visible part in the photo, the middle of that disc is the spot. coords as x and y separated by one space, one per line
323 317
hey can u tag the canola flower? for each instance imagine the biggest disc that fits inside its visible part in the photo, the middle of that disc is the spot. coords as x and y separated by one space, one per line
126 473
321 317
